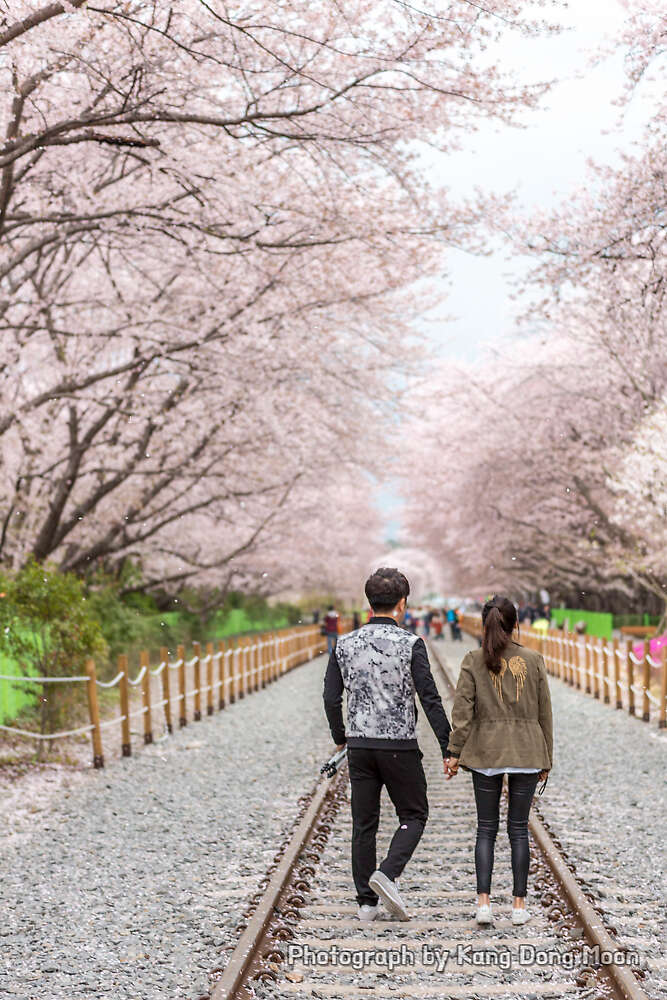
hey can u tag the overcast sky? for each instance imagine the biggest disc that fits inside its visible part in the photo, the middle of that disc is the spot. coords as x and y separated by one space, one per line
544 163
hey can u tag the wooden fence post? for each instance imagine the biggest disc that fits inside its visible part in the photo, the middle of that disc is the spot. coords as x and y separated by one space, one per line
240 672
606 649
253 655
222 674
254 665
562 660
197 681
93 708
263 659
617 673
233 679
646 683
597 653
124 692
662 715
182 710
630 668
166 691
587 658
209 678
146 691
238 661
264 649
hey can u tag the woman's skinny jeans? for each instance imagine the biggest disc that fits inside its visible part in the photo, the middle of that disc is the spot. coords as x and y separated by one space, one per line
488 788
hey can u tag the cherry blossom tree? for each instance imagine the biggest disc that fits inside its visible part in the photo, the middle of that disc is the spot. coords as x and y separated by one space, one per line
547 470
211 223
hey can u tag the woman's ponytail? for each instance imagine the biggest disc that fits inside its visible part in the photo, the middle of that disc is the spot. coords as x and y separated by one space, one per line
498 621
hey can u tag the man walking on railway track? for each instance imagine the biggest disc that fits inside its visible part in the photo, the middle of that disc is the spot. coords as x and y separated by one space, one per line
380 666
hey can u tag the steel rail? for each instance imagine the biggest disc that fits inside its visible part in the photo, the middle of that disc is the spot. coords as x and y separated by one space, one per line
623 979
241 959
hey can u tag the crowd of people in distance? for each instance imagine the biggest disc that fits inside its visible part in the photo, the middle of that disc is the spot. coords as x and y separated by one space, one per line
431 622
425 621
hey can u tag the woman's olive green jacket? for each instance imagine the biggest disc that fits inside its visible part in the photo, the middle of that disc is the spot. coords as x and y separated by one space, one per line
503 720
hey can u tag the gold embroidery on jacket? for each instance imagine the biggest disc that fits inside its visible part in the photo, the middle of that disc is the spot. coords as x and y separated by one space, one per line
518 670
498 678
517 666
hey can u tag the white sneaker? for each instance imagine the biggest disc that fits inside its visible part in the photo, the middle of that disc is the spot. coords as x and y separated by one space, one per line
484 914
367 912
520 915
388 893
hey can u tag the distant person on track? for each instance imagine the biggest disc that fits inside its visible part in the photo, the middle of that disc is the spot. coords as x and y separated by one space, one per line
453 622
502 724
380 666
330 625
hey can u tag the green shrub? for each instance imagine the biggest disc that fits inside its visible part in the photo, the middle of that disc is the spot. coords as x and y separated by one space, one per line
49 629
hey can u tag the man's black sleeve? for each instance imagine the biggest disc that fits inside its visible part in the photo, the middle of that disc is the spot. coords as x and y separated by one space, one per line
428 695
333 699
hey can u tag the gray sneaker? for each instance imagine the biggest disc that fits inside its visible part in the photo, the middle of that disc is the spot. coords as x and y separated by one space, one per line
367 912
388 893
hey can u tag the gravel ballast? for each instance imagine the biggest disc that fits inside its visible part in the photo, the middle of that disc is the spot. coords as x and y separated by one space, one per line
132 885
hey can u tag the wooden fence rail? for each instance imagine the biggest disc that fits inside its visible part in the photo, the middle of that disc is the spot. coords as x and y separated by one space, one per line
607 670
177 689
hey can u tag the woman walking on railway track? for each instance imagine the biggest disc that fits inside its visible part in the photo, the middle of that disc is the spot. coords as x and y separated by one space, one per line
502 724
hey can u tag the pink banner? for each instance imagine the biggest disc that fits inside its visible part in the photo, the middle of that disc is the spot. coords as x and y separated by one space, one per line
656 646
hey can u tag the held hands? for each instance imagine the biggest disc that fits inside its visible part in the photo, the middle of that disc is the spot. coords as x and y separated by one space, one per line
542 776
451 767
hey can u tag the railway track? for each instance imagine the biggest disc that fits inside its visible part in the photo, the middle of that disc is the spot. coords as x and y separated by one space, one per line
303 940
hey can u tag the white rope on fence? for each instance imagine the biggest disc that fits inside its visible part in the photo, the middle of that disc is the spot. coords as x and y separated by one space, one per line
138 679
138 711
175 665
636 659
158 670
191 663
48 736
112 722
654 663
652 698
41 680
110 684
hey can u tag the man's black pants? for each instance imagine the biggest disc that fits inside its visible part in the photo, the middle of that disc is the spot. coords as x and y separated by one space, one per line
402 773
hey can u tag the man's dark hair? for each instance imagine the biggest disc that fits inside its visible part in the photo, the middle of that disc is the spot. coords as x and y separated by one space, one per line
385 587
